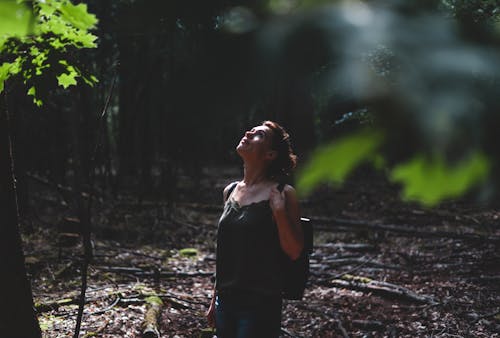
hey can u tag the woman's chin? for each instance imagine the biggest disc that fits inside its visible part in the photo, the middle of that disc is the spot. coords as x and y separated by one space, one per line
241 150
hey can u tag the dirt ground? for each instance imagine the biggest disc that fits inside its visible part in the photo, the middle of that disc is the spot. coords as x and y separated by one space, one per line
395 271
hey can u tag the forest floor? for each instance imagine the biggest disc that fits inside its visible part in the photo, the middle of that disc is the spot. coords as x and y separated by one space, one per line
380 267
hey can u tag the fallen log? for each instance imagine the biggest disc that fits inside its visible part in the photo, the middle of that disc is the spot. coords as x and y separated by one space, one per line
333 224
150 324
380 288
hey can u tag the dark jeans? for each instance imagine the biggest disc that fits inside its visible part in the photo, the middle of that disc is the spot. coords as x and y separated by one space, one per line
240 315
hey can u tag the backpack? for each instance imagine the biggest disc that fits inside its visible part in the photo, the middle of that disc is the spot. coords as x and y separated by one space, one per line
296 273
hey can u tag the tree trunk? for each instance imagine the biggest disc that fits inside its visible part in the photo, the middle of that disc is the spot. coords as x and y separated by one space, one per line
17 317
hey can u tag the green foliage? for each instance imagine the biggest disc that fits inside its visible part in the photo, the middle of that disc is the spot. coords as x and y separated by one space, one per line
332 163
188 252
424 179
430 180
8 69
60 29
430 83
15 19
67 79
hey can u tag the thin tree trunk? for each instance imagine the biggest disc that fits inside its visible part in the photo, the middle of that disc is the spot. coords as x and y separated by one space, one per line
85 205
17 316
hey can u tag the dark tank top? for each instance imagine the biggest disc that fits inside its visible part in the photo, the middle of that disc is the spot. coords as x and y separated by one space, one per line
248 249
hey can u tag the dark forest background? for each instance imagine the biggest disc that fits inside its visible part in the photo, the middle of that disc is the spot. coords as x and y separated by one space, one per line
185 92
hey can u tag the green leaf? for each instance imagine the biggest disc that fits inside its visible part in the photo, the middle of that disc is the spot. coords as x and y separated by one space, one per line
57 44
16 66
334 162
55 25
85 40
67 79
7 69
47 9
15 18
32 91
431 180
4 74
78 15
90 80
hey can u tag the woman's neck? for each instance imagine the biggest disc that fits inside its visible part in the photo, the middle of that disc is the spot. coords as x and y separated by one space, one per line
254 174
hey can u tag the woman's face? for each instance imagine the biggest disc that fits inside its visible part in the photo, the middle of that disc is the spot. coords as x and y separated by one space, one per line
256 141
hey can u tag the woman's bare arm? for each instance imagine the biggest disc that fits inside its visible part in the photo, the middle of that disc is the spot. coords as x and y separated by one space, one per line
286 212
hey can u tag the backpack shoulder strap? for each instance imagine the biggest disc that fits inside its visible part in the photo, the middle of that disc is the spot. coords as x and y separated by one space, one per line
281 186
230 189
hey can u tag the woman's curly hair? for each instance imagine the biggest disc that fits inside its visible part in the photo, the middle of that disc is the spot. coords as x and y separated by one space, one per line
286 160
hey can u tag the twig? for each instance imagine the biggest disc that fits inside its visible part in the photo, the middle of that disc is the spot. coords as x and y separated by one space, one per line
59 187
340 275
381 288
163 274
488 315
342 329
112 305
87 245
289 334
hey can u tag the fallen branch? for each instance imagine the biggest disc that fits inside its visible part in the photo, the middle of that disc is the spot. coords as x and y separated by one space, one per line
153 273
70 299
368 325
61 188
334 223
354 269
55 304
172 302
486 279
150 324
112 305
348 246
360 260
380 288
289 334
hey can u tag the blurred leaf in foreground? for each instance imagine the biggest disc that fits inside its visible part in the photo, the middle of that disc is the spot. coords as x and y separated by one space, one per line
431 180
332 163
15 19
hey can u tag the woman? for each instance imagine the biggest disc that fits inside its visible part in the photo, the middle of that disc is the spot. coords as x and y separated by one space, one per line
259 229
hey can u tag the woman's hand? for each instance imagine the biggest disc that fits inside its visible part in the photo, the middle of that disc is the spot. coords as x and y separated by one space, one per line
210 314
277 200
